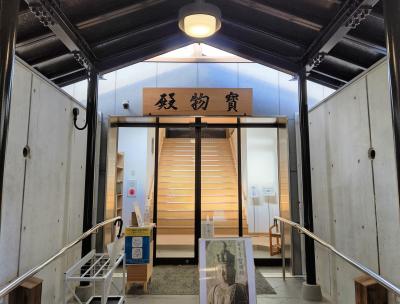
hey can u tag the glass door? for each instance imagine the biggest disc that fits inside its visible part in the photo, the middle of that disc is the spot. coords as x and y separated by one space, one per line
224 173
219 178
260 185
176 194
265 186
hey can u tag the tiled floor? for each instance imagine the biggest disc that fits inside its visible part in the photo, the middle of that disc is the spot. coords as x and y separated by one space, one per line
288 292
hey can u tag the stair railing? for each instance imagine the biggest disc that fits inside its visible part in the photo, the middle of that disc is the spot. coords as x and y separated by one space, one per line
150 199
389 285
5 290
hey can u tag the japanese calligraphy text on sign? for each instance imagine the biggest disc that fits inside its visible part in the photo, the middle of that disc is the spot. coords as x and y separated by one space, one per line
197 101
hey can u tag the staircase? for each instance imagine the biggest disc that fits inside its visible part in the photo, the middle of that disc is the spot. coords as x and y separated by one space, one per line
176 187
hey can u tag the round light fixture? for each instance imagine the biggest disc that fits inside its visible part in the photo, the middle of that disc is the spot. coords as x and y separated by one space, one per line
200 19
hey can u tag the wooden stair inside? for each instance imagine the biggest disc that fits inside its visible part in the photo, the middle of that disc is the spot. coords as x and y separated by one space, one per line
176 187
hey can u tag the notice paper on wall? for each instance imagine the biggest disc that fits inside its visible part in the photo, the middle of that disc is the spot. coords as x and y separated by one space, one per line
132 188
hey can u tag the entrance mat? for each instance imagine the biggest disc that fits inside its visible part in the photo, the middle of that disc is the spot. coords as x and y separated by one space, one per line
184 280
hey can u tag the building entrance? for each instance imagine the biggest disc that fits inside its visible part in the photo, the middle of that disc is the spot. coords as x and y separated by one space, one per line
225 172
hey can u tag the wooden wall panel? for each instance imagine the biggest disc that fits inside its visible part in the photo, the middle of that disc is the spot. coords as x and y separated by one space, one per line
284 184
110 207
216 101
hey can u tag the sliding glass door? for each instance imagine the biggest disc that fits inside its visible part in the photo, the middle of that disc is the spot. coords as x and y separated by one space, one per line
176 194
227 173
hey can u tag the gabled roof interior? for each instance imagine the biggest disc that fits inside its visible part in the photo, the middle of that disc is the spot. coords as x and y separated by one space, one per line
277 33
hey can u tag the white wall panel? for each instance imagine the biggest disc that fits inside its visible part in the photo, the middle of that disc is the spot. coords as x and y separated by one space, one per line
384 168
288 95
107 93
218 75
172 74
264 82
130 82
14 175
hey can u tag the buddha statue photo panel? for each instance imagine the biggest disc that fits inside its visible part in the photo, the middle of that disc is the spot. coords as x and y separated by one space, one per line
226 271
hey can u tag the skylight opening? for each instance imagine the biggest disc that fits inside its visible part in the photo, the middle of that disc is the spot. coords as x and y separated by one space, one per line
198 52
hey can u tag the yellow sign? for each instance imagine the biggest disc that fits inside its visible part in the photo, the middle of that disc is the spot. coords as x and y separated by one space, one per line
197 101
138 231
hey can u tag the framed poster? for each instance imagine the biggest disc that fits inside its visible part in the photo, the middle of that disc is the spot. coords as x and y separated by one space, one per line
226 269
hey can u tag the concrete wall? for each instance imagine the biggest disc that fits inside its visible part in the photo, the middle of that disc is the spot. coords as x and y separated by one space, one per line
43 193
355 199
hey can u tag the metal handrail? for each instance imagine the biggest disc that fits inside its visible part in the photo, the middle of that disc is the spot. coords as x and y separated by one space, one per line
389 285
19 280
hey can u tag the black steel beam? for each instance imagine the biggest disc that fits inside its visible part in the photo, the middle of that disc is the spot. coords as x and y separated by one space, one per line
45 61
117 13
391 9
263 33
347 18
328 75
325 81
275 56
259 55
351 62
155 185
70 78
136 31
108 42
271 11
273 125
51 15
166 22
58 76
239 173
91 118
35 40
366 44
197 191
143 52
8 33
306 176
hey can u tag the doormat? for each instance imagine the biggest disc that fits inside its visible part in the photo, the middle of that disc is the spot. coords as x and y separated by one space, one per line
184 280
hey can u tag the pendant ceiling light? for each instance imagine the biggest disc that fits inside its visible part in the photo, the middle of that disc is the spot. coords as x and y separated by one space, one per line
200 19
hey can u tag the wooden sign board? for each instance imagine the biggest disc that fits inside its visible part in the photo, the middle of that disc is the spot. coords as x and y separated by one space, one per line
197 101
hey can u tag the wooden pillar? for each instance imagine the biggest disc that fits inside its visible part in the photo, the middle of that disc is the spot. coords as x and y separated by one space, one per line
29 292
